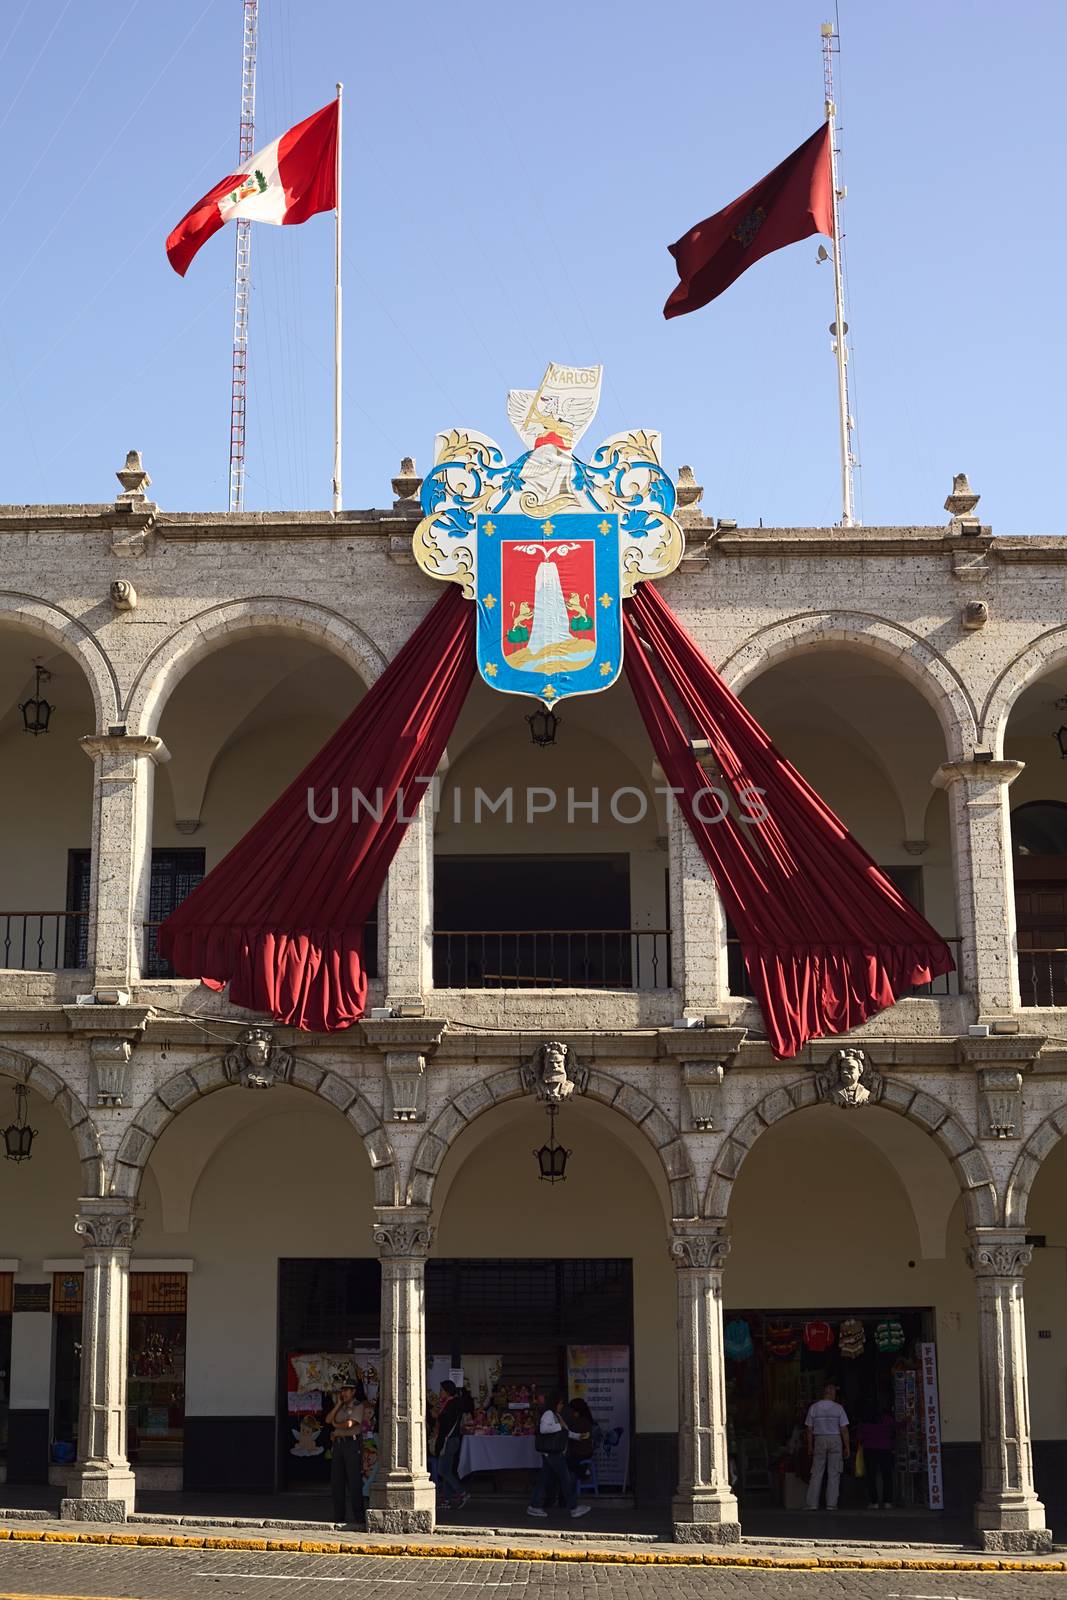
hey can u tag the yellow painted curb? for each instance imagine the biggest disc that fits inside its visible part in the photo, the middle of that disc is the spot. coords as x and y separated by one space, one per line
445 1552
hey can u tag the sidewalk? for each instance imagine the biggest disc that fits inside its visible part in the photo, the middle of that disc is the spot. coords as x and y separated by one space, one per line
839 1541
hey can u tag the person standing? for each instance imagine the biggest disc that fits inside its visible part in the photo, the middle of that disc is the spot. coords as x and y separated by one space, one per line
345 1422
826 1428
878 1436
551 1443
447 1443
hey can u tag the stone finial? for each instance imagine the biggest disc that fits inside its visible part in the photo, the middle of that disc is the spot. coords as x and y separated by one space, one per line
688 489
962 501
123 595
406 485
133 478
975 614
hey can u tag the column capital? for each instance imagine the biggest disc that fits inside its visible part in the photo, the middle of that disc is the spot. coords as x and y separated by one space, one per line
697 1247
998 1252
131 746
976 772
106 1223
402 1232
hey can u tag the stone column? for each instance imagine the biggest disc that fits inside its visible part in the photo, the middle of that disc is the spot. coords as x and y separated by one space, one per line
704 1509
985 882
405 909
101 1485
698 947
402 1496
122 851
1008 1514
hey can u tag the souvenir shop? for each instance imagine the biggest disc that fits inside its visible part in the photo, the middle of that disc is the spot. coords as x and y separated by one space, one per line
505 1331
777 1362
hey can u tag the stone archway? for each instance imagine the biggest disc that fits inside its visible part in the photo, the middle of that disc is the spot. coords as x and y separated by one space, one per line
35 1075
932 1116
206 1077
209 630
638 1108
1045 1137
1045 654
923 667
64 630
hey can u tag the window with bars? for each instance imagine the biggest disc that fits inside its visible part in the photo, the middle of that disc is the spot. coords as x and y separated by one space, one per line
175 874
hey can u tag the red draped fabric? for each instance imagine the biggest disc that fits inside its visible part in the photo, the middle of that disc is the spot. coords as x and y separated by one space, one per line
281 917
828 941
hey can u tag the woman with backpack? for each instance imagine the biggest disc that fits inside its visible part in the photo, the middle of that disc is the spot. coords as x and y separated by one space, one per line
551 1441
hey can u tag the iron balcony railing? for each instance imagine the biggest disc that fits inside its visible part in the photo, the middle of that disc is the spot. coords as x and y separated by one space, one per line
552 958
947 984
43 941
153 964
1043 976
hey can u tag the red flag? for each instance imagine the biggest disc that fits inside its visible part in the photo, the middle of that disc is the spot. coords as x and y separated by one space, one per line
285 182
790 203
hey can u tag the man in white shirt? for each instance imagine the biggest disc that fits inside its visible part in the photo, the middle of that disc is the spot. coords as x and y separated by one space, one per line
826 1427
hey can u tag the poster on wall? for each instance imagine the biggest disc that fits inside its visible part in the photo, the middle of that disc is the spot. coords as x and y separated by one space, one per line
312 1381
931 1419
599 1374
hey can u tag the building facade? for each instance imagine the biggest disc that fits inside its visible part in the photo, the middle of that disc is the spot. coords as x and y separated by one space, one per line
200 1205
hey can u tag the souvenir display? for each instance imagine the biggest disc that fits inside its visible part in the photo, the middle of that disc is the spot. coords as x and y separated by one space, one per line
889 1336
780 1341
737 1340
818 1336
852 1338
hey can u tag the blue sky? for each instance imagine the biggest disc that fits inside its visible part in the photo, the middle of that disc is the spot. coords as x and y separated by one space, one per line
513 175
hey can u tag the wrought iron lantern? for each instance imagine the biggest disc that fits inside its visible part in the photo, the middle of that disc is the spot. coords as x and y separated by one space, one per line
36 711
543 724
1061 740
18 1135
552 1158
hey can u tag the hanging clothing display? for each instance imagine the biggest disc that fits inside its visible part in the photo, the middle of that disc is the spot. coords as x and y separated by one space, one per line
889 1336
737 1340
852 1338
780 1340
818 1336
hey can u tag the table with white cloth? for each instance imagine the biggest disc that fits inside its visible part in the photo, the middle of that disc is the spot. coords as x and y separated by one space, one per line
497 1452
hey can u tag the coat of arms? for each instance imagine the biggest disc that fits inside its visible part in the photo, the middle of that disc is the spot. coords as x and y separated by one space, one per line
548 545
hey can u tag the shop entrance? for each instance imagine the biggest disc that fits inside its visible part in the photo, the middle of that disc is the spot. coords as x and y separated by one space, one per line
778 1362
519 1328
328 1317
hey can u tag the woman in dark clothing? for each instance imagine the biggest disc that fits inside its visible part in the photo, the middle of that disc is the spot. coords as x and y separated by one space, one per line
552 1439
580 1450
345 1422
878 1436
447 1443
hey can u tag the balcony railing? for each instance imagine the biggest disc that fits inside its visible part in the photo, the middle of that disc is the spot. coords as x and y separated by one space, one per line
552 958
947 984
153 964
43 941
1043 977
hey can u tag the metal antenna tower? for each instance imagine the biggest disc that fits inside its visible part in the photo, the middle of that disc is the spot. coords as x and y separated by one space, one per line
831 45
242 275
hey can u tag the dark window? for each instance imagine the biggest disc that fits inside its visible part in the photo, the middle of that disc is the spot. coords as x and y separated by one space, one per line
1039 828
175 874
76 941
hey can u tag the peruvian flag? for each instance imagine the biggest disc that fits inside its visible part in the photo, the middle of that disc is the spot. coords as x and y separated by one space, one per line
287 181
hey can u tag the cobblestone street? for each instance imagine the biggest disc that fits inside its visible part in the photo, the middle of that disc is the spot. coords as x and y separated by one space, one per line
158 1574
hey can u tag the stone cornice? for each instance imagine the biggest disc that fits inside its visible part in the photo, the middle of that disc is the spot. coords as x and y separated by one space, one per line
404 1033
111 1022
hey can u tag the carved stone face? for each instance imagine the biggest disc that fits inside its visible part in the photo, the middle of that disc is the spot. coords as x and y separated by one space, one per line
850 1069
554 1069
257 1048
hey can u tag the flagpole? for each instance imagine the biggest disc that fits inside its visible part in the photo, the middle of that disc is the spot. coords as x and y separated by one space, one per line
840 327
337 322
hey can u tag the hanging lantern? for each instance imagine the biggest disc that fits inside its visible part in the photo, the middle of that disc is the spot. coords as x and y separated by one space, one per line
1061 740
18 1135
543 724
36 710
552 1157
